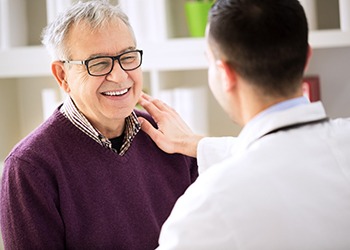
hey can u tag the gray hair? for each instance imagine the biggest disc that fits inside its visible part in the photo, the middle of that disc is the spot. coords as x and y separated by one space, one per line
96 13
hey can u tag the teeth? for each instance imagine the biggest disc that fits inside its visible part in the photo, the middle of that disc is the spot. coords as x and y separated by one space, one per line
116 93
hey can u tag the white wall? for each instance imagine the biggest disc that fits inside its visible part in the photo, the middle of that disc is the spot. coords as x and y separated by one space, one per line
9 124
332 65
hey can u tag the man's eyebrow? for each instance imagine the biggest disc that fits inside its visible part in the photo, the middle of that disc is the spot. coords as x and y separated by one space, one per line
103 54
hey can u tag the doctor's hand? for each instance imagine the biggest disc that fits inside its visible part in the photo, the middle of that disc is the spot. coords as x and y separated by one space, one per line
173 135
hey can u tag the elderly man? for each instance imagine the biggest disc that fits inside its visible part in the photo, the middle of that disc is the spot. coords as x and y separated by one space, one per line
88 177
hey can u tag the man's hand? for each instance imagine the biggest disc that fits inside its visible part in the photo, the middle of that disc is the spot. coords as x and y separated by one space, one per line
173 135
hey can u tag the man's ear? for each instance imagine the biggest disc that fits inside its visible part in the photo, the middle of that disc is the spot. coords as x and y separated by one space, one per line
59 72
228 75
308 57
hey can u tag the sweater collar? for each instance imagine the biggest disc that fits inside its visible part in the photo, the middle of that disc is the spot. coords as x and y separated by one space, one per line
132 126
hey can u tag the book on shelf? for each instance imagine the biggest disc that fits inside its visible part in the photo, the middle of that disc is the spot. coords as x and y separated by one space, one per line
312 88
54 7
149 21
51 98
310 8
13 24
190 103
344 13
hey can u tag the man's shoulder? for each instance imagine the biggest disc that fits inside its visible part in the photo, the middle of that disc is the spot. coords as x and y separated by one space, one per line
144 114
41 136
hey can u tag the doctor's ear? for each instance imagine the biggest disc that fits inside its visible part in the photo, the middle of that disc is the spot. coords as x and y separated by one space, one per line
308 57
59 72
228 74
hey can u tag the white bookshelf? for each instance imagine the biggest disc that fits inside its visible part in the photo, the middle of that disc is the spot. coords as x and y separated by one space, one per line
324 39
171 59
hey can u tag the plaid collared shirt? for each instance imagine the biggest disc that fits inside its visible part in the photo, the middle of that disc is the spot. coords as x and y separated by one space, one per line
132 126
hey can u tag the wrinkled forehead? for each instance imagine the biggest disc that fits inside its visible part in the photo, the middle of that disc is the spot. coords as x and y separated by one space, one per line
109 38
84 27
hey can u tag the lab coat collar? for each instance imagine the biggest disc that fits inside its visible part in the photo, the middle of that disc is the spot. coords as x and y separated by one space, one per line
299 114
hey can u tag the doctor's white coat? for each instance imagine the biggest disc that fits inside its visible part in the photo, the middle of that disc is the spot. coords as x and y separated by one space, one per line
285 190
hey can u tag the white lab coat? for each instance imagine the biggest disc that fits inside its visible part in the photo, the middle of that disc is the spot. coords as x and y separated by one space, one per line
285 190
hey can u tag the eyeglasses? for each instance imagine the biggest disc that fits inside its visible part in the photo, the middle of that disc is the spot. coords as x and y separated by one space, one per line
103 65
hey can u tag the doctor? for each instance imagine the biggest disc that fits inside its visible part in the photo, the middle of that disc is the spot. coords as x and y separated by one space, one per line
284 182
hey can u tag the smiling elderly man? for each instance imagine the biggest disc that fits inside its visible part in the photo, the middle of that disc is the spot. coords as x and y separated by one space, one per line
88 177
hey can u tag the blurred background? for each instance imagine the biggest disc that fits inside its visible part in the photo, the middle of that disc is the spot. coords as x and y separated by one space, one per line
174 62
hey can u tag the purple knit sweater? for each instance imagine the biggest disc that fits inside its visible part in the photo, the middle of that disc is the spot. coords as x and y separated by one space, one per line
62 190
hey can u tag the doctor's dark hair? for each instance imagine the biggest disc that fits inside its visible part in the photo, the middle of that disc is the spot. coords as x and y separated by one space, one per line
265 41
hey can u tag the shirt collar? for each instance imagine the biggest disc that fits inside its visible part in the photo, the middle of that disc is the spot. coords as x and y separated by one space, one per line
291 112
132 126
280 107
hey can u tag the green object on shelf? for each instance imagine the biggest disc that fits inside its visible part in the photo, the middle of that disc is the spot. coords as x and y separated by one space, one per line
197 17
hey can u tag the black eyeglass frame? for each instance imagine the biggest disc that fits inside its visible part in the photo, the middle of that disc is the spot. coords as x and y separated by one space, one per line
114 58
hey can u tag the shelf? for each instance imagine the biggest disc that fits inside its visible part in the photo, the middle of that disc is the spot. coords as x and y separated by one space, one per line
170 55
329 39
176 54
24 62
